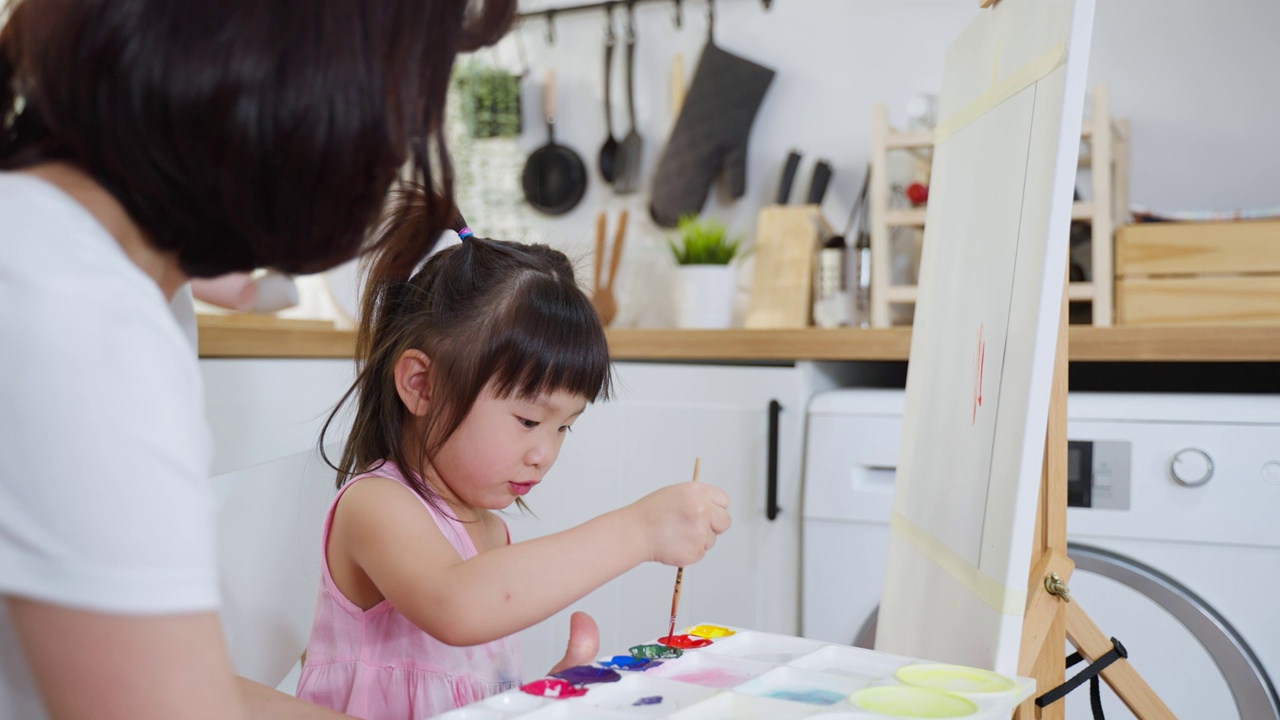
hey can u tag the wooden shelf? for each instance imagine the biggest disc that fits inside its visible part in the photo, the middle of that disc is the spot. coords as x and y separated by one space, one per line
1091 344
1080 291
244 337
915 217
908 294
905 217
915 139
1106 140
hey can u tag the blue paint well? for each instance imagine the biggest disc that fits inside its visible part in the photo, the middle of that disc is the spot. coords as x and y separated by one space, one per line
812 697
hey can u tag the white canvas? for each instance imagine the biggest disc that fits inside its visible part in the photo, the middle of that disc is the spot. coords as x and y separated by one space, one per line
985 332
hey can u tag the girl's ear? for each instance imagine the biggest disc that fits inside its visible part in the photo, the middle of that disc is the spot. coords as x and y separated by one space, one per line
415 378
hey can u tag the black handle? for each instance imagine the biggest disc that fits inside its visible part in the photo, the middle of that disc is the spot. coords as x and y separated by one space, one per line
818 185
771 508
609 43
788 176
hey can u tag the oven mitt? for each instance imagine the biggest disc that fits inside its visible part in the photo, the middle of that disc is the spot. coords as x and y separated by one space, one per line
710 135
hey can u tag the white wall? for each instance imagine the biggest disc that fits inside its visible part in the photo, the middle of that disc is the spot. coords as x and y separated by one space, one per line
1196 79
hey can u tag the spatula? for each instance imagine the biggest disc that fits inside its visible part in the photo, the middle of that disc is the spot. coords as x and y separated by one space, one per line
628 169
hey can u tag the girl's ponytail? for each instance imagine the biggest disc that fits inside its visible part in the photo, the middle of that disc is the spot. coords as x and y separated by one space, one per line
407 235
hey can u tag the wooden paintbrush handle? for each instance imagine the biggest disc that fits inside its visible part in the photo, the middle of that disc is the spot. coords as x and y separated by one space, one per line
675 597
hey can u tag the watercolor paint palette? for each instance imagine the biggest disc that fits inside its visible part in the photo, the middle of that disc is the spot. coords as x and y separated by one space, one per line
750 674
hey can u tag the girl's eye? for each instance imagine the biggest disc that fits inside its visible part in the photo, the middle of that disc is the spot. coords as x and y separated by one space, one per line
530 424
566 429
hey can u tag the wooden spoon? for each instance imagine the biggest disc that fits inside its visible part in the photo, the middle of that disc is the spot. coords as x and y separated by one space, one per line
605 302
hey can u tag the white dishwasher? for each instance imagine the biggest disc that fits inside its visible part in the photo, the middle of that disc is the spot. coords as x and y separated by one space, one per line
1174 527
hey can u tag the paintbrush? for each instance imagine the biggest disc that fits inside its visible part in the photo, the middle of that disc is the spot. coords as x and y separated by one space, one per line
675 597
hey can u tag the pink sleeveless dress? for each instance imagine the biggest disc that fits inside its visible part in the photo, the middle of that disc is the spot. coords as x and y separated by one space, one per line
377 665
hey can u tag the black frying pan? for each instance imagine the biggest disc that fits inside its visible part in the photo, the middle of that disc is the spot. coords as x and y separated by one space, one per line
554 178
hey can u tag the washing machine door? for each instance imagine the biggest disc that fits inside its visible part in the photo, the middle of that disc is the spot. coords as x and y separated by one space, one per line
1190 655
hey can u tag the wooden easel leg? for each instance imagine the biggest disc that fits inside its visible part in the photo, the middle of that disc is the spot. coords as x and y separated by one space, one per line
1120 675
1043 652
1050 619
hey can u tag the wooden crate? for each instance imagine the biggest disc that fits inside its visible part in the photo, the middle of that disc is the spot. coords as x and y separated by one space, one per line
1219 273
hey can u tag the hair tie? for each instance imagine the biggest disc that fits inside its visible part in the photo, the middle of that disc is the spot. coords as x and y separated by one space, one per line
465 233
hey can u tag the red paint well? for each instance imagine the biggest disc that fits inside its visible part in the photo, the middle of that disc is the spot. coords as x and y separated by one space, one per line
684 642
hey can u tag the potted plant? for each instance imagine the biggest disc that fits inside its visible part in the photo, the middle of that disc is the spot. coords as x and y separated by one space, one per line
490 100
706 277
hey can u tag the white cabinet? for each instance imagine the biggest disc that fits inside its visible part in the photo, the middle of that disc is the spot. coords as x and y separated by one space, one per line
661 418
273 490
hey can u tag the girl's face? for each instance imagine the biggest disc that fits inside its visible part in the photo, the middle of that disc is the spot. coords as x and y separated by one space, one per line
504 446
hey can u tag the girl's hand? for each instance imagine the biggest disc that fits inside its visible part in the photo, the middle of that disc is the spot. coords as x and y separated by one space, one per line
680 522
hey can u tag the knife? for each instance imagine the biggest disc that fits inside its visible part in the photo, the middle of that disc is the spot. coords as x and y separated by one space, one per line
818 185
788 177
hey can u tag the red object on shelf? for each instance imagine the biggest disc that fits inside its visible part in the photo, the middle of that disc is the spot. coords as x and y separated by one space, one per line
918 194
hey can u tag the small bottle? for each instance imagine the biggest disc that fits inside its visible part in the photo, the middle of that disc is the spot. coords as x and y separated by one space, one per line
831 306
831 267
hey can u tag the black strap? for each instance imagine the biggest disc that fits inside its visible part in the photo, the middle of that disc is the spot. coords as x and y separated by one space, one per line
1090 673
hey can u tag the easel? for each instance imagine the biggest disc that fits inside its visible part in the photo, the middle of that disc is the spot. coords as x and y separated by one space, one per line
1053 616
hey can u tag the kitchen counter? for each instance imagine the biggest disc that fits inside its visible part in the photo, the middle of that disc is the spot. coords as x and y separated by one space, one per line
268 338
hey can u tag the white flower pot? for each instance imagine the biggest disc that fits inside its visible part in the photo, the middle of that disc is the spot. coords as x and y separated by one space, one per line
704 296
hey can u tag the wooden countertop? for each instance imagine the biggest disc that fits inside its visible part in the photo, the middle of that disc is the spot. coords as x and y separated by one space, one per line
270 338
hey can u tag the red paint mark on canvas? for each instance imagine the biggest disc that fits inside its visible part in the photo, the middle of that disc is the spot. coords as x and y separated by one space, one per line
979 366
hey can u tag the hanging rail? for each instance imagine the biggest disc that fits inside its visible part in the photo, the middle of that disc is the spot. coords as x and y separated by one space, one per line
551 13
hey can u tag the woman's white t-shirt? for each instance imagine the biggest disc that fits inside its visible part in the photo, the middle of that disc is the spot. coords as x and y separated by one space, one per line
105 498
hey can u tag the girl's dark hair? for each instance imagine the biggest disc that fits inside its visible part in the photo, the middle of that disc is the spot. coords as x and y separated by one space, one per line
241 133
485 311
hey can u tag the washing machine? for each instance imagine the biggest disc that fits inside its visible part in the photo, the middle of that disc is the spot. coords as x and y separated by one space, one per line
1174 525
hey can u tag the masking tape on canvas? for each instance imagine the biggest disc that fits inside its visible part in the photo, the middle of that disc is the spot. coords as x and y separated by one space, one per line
1023 78
1005 600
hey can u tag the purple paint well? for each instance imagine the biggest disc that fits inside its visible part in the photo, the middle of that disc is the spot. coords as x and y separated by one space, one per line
587 674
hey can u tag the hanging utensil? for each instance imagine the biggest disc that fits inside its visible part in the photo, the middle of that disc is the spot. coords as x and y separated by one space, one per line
677 85
603 298
609 151
628 179
554 177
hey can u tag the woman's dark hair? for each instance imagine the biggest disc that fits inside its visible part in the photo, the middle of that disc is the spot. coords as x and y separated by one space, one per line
241 133
489 313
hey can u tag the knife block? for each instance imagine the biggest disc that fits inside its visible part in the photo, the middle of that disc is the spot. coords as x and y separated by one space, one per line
787 241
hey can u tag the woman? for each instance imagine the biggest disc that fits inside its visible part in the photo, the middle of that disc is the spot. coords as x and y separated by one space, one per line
143 143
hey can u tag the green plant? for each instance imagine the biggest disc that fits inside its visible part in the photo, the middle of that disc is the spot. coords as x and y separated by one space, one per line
704 242
490 100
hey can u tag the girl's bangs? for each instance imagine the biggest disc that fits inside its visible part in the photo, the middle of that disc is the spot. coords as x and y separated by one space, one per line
549 340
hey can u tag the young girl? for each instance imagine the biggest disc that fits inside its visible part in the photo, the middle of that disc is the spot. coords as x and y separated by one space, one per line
472 373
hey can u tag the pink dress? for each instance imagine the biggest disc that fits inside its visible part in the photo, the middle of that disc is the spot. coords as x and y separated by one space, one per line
377 665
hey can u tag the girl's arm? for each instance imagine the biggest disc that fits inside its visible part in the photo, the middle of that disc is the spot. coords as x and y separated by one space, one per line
398 545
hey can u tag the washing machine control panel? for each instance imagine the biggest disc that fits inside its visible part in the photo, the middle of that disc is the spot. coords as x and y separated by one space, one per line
1098 474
